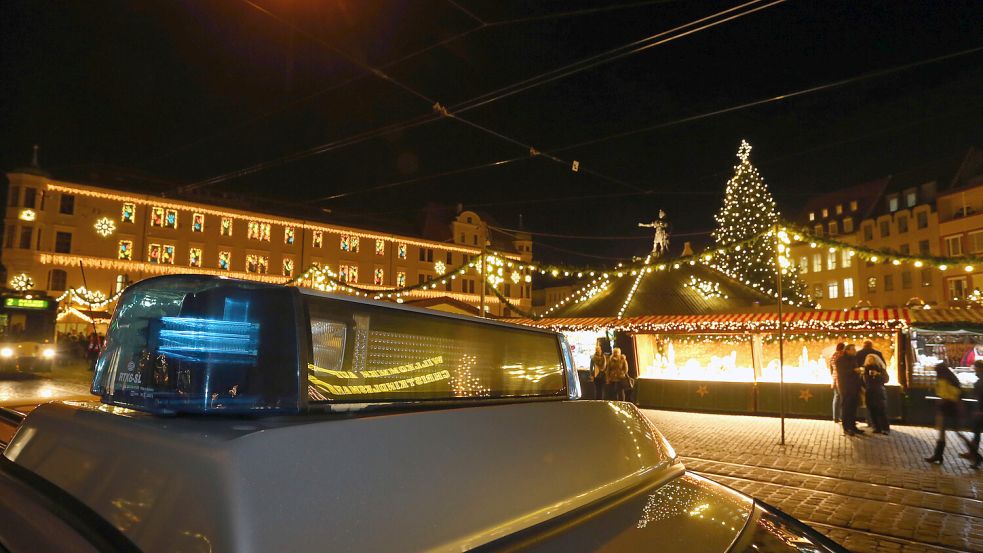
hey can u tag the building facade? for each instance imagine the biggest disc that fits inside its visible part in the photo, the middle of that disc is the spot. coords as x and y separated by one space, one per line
54 231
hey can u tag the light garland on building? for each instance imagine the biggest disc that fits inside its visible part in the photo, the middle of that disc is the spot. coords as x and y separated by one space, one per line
634 286
105 226
92 299
707 290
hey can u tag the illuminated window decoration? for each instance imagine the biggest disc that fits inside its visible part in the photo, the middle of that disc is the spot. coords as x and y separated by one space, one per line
22 282
125 250
225 228
345 243
153 253
400 279
259 264
157 216
353 274
129 213
224 260
170 218
28 215
348 273
439 268
380 247
194 257
288 267
288 235
401 251
105 226
258 231
343 273
377 277
318 239
198 222
708 290
167 254
353 241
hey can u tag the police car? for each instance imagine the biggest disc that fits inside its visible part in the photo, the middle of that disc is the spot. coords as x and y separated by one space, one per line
242 417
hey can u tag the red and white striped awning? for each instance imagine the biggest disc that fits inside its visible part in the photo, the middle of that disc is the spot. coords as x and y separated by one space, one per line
946 316
737 322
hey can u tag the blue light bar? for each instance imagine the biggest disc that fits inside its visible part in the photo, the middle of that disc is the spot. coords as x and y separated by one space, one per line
194 339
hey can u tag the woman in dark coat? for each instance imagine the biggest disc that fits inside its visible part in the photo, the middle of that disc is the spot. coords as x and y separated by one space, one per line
875 377
616 376
597 364
946 408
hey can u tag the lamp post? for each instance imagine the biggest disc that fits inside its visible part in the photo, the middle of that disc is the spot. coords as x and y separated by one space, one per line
781 331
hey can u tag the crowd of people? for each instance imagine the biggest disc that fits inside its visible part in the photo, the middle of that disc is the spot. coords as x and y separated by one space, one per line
84 346
860 375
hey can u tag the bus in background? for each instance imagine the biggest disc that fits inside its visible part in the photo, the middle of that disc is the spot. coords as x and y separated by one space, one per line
27 331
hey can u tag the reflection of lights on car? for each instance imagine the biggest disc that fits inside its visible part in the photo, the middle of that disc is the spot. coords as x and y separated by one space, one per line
6 352
48 353
46 392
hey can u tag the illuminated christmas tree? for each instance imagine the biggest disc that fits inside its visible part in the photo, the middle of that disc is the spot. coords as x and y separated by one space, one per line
748 211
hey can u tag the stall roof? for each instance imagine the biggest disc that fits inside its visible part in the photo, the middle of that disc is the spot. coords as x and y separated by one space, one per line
873 319
923 317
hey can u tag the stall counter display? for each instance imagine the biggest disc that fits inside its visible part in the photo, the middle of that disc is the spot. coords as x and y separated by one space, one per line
957 348
807 359
717 358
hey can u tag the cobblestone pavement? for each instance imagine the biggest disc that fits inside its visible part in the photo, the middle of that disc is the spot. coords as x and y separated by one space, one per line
870 494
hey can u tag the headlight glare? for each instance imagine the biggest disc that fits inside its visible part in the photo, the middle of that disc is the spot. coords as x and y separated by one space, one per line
6 353
48 353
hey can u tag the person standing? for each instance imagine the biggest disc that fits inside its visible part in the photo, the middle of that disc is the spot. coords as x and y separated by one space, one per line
868 349
597 364
946 407
848 379
977 421
875 377
837 400
616 376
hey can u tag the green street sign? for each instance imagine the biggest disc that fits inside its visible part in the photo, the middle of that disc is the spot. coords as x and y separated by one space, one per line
24 303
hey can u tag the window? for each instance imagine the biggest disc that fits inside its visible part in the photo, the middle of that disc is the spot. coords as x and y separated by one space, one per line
906 280
400 279
426 255
167 255
157 216
831 260
888 283
122 281
401 251
921 219
198 222
868 232
954 245
170 218
153 253
26 233
194 257
225 229
904 249
378 276
288 235
847 258
848 288
63 242
902 223
467 286
57 279
885 229
817 262
825 213
349 243
30 197
853 205
818 229
976 242
67 204
450 258
288 267
817 291
14 196
926 277
128 214
125 250
803 264
871 284
224 260
833 289
812 215
9 242
923 247
847 225
259 264
508 290
833 228
348 273
839 209
258 231
957 287
380 247
893 204
911 198
318 238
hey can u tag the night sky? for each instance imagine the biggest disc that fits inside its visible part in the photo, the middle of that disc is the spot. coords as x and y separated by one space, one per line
198 89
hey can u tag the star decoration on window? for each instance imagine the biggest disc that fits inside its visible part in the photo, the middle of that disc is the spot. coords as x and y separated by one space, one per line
105 226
